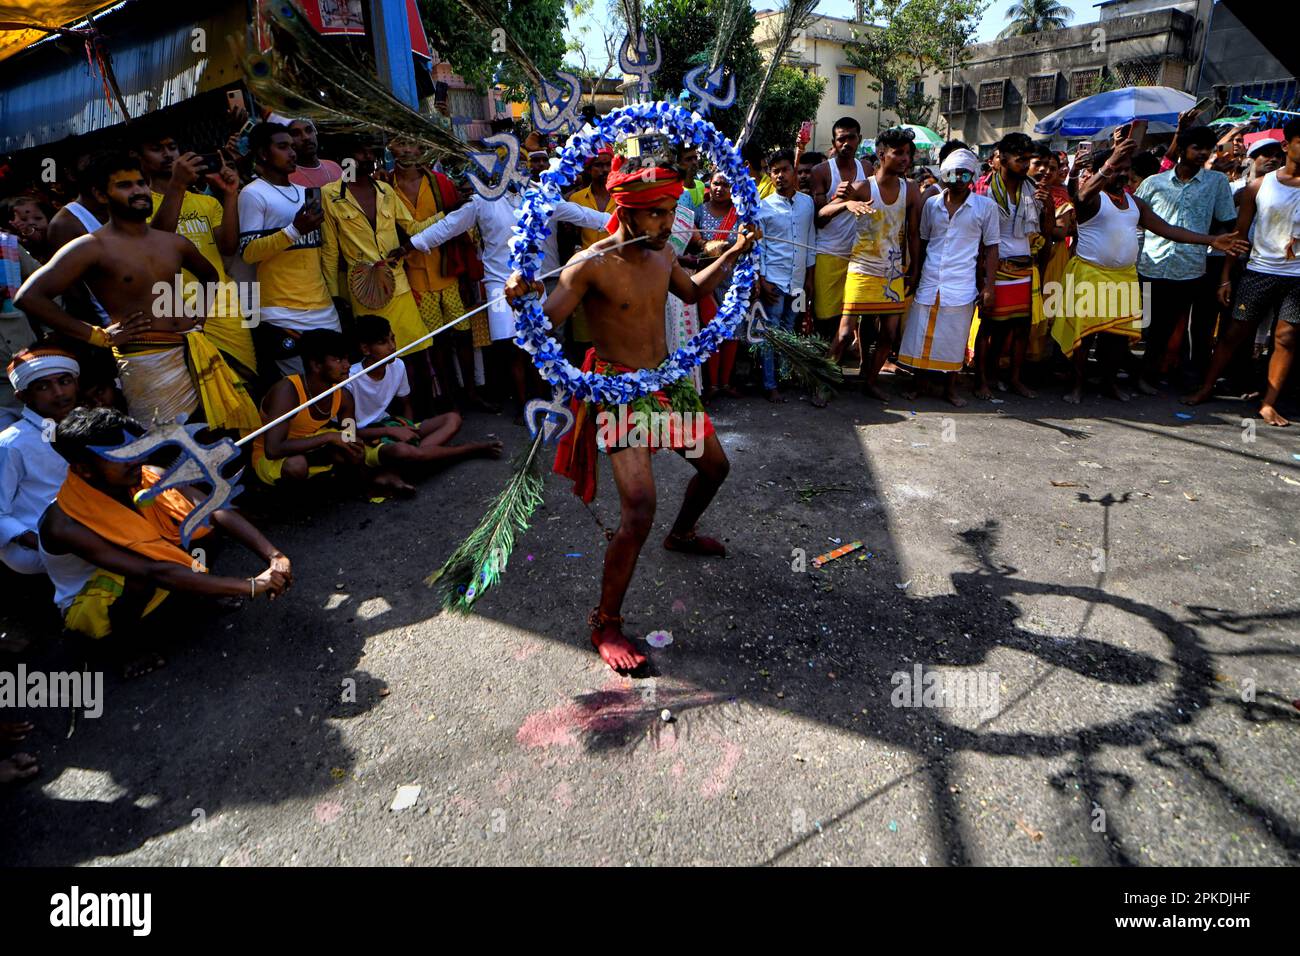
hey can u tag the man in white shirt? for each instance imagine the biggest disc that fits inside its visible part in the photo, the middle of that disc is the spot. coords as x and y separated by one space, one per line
496 221
31 471
959 235
786 214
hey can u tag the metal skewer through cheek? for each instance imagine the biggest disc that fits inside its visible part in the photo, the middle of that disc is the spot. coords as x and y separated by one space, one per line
424 338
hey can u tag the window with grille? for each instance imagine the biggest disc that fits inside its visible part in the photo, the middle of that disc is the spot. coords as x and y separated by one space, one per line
992 94
846 89
889 93
1138 73
1041 89
1082 81
952 98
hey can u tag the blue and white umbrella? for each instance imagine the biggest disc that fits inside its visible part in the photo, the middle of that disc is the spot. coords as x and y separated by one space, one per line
1087 116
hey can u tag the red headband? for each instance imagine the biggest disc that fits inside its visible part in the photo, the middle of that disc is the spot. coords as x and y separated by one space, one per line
640 188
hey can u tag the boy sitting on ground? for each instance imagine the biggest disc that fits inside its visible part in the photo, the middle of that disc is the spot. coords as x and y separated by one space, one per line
382 402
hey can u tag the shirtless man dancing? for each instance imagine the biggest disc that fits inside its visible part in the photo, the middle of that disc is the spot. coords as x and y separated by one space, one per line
623 294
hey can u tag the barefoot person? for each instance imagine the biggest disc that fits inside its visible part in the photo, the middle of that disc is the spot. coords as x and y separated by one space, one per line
385 419
959 242
1102 296
1271 280
1026 217
114 561
167 366
623 293
316 440
886 208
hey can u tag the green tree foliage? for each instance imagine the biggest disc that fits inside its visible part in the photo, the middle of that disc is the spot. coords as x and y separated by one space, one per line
686 29
1035 16
909 39
466 43
791 99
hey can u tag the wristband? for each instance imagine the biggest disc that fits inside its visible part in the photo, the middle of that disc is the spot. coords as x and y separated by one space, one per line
99 337
252 588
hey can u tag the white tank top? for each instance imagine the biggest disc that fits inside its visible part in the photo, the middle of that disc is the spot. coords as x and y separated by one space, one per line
84 215
836 238
67 572
88 220
1276 228
878 249
1109 239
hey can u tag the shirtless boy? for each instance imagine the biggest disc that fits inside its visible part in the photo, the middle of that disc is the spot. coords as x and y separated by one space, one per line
623 294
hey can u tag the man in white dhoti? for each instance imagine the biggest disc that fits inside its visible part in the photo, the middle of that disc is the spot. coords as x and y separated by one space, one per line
959 238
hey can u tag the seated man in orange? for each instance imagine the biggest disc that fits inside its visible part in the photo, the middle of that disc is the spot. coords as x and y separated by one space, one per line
113 561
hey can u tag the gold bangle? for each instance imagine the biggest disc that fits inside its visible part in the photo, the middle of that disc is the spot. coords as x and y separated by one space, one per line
99 337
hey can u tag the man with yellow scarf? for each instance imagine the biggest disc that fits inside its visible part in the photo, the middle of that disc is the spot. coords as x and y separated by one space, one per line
113 560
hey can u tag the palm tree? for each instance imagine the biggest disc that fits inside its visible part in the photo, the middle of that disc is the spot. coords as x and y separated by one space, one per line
1035 16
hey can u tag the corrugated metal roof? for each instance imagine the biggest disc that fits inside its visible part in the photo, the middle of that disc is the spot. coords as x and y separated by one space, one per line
50 92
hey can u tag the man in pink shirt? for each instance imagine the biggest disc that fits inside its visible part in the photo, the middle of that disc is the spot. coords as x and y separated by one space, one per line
312 171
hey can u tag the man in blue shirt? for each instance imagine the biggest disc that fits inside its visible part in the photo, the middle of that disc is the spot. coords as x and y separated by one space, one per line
788 215
31 471
1190 196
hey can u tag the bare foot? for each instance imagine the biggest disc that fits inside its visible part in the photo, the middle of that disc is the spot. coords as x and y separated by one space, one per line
955 400
615 649
774 396
12 731
732 392
391 483
486 449
146 663
871 390
1270 415
693 543
911 394
18 767
1075 396
1022 391
1114 391
819 400
1146 388
1196 398
983 393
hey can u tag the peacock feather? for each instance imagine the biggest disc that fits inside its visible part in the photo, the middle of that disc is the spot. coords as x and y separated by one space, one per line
478 563
807 357
304 76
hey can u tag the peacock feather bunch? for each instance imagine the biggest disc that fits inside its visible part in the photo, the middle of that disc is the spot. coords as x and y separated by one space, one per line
478 563
807 358
304 76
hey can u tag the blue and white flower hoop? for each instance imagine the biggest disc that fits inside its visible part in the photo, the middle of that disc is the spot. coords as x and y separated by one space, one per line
533 329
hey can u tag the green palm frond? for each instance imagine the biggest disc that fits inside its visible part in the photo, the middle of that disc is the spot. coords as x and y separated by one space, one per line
807 357
481 558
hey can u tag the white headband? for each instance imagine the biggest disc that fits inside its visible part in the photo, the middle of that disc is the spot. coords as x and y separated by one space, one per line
29 366
960 159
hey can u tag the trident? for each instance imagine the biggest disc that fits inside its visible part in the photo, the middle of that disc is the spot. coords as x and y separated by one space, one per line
642 67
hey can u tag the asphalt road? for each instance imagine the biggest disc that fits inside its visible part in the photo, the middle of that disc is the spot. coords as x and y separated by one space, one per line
1109 592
